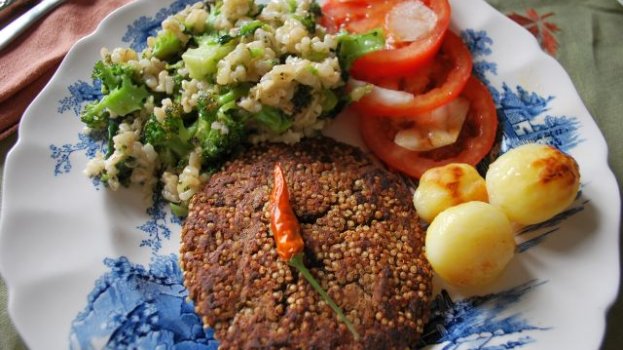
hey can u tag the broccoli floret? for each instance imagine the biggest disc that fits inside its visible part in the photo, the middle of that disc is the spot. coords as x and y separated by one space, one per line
201 61
107 74
127 98
113 127
251 27
218 142
219 130
171 138
167 45
207 105
121 95
111 75
352 46
171 134
273 119
234 94
95 116
124 171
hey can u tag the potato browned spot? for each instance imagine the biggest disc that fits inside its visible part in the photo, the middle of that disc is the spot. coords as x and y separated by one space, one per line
362 242
533 183
446 186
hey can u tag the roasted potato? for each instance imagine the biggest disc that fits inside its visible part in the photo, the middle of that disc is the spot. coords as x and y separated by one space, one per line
532 183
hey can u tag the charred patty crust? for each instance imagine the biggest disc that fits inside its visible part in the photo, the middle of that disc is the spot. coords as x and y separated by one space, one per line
362 242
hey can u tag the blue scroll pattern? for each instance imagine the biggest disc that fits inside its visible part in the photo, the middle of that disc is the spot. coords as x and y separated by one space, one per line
480 322
144 27
133 307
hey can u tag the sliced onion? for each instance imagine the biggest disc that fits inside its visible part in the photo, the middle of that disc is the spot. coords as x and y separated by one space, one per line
388 96
410 20
440 127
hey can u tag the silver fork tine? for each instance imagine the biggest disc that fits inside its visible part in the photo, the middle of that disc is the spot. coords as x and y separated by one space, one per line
15 28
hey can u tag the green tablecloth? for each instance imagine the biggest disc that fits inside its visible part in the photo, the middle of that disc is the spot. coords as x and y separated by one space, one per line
590 47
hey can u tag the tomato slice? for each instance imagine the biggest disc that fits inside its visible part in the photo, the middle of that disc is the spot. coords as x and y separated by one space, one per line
404 60
337 13
355 16
432 86
474 142
399 57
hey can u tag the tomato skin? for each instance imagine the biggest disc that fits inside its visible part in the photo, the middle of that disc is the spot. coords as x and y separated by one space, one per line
422 102
336 13
355 16
396 62
398 59
474 143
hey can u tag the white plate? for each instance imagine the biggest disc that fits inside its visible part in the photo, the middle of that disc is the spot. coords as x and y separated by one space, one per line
86 267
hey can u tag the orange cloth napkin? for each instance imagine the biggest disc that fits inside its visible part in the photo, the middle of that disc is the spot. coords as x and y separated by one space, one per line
29 61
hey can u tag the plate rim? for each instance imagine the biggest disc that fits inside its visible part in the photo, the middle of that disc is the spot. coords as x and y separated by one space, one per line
22 142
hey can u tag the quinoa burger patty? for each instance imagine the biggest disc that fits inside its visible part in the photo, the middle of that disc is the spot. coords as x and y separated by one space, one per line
362 243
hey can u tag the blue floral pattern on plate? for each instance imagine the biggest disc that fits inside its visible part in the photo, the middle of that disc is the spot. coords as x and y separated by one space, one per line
132 306
522 113
144 27
80 92
477 322
156 227
89 144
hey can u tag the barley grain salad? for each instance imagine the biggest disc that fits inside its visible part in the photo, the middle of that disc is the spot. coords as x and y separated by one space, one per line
216 76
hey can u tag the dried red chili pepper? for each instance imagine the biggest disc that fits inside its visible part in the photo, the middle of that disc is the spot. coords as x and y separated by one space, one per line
287 233
283 221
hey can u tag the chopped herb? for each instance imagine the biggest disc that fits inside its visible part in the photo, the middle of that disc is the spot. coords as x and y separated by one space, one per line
302 98
250 27
225 38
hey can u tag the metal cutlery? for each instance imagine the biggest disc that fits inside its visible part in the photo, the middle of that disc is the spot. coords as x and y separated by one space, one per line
15 28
